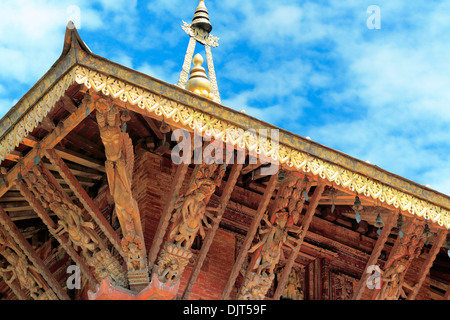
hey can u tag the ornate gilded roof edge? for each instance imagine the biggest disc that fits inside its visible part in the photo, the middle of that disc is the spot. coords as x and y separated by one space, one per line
198 115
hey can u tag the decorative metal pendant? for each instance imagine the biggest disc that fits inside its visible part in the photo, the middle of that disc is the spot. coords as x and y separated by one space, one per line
358 217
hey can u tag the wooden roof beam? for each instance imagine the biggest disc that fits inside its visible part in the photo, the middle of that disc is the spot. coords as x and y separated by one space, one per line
86 144
14 156
225 197
15 233
84 198
424 271
358 292
153 126
50 141
306 221
272 184
81 159
447 293
79 171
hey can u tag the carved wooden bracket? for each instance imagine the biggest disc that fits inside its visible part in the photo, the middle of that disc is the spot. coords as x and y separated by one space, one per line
189 218
119 169
21 275
79 232
405 250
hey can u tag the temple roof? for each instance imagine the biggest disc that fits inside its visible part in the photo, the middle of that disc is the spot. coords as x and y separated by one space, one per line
77 64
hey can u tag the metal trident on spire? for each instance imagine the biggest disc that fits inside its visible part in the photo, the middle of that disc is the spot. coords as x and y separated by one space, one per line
199 31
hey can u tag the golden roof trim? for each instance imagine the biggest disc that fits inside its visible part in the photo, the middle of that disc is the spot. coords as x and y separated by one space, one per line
192 118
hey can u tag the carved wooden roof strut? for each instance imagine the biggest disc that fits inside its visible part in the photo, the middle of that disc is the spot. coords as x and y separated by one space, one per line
440 239
41 212
87 202
9 225
264 203
358 292
305 226
166 213
225 197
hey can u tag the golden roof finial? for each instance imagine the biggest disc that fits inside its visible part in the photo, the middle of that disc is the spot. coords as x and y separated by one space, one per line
198 81
201 17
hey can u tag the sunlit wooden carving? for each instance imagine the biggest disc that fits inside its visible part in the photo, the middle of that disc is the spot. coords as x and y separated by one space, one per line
255 286
190 210
24 272
119 169
81 233
392 276
293 289
189 219
274 234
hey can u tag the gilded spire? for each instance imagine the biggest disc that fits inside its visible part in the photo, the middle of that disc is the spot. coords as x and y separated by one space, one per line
201 17
199 31
198 81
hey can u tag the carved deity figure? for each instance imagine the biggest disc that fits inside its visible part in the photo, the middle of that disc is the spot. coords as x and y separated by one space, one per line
171 262
119 169
19 269
275 234
409 248
293 290
191 209
81 233
255 286
391 277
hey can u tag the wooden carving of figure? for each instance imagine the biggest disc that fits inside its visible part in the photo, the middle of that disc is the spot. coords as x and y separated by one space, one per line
119 165
268 252
20 270
411 245
191 213
133 249
81 233
391 277
119 169
293 290
255 292
171 269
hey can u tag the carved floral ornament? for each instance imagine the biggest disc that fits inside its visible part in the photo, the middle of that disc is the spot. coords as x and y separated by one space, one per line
200 35
211 126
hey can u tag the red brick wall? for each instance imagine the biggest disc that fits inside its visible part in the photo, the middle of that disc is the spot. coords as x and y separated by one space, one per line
151 184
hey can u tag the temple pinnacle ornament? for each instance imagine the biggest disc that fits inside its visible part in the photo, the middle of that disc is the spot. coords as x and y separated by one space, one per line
198 81
201 17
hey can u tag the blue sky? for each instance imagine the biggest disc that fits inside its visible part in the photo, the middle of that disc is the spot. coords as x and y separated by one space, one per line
311 67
